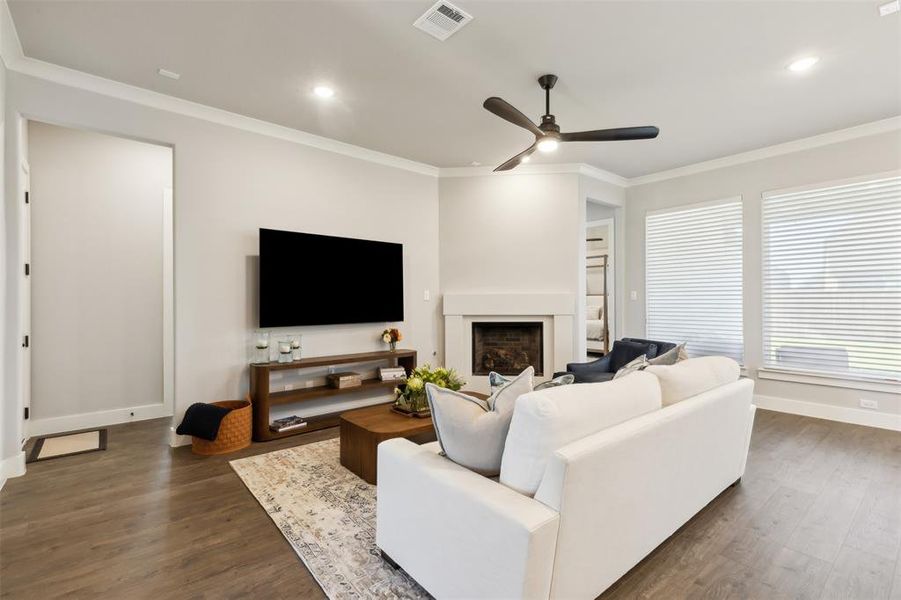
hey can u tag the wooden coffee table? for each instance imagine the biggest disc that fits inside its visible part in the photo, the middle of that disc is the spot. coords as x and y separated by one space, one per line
364 429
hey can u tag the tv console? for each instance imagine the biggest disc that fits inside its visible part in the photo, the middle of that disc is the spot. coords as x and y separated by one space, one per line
263 399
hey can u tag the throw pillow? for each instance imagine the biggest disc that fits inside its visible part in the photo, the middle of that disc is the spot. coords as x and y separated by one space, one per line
671 356
638 364
592 313
694 376
565 379
496 381
624 352
471 432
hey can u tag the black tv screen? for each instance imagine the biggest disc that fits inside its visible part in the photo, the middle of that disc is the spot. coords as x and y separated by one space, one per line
308 279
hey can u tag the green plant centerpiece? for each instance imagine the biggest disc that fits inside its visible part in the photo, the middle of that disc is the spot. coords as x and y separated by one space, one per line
410 396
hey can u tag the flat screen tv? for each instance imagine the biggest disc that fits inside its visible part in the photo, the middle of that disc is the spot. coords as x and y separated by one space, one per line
309 279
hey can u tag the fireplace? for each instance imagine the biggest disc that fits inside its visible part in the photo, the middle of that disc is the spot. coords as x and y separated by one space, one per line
507 347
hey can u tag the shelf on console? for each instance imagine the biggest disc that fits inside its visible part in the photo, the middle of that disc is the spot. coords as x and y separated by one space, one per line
324 391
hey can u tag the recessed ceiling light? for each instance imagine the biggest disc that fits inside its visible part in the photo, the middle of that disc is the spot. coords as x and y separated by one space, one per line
323 91
475 163
168 73
803 64
525 159
889 8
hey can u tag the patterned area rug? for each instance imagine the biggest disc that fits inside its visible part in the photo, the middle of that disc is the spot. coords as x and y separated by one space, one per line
328 515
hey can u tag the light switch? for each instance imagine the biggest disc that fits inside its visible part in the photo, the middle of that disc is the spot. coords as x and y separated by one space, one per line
633 295
426 295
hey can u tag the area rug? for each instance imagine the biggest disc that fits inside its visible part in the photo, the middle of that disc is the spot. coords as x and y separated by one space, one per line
328 515
67 444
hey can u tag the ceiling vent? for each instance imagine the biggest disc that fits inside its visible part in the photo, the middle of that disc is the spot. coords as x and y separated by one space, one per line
442 20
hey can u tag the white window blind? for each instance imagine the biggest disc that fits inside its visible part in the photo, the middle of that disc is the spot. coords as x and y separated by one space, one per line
694 278
832 280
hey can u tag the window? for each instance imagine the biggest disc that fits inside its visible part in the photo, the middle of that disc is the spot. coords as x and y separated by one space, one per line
832 280
694 278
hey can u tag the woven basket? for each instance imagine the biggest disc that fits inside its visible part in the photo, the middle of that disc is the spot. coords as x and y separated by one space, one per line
234 431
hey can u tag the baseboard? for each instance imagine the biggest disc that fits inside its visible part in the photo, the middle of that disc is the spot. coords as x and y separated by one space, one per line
97 419
830 412
12 466
176 440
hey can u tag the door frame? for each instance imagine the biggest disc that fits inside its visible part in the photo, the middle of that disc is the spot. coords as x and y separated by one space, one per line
611 275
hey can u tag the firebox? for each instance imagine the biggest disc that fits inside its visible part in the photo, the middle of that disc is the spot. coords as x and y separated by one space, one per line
507 347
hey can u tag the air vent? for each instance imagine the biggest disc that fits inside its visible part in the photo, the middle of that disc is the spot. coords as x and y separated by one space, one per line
442 20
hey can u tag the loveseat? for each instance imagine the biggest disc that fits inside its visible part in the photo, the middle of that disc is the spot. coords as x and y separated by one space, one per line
593 478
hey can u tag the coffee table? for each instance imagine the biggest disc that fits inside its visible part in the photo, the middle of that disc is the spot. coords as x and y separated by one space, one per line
362 430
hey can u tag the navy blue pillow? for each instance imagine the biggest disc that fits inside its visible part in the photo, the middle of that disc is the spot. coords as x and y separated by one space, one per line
625 352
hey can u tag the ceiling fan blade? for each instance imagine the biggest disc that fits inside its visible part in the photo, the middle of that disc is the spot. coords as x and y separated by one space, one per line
516 159
611 135
508 112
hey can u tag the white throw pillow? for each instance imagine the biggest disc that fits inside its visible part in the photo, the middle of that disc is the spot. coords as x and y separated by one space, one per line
694 376
547 420
671 356
592 313
472 431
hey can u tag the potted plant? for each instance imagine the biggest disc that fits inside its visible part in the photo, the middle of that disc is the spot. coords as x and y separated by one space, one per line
391 337
410 398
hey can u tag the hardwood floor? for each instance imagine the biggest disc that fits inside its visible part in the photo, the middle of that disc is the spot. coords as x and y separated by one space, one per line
817 515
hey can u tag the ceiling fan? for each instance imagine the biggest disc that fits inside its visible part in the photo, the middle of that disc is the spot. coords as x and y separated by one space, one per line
548 136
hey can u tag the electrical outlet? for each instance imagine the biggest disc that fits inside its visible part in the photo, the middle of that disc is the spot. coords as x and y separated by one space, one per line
865 403
426 295
633 295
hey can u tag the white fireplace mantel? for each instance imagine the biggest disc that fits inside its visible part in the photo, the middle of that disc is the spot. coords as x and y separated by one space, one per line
555 310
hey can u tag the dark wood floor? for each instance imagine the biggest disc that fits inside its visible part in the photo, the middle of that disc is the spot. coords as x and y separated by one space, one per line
817 515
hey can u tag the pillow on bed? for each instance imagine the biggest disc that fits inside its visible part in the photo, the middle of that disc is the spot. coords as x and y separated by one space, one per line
592 313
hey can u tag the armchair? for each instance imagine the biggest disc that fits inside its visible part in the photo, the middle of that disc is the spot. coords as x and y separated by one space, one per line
623 351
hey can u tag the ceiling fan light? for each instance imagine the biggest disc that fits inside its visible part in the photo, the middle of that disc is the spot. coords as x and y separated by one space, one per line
548 144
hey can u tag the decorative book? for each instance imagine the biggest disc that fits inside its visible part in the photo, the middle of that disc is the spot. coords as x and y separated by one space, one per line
287 424
392 373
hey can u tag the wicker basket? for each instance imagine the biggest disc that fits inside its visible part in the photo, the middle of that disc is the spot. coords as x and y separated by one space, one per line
234 431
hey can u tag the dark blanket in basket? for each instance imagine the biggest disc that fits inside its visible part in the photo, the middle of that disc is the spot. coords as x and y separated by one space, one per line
202 420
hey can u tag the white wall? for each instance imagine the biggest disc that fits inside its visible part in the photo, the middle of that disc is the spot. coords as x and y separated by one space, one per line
97 220
228 184
851 158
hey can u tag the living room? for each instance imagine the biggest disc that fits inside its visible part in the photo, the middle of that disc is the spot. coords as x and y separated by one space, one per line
730 428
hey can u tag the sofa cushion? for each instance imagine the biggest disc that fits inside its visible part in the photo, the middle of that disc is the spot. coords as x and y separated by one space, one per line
472 431
546 420
694 376
625 352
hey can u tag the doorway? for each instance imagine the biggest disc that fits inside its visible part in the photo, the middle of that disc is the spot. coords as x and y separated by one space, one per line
101 284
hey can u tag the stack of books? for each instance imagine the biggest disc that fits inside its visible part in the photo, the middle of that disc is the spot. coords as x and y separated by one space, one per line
392 373
287 424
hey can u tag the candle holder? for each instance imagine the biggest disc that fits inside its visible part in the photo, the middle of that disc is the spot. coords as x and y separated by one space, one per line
284 350
296 346
261 347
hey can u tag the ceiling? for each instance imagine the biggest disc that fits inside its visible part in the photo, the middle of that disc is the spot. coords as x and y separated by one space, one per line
711 75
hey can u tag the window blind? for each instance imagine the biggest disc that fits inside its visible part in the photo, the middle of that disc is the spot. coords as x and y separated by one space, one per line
694 278
832 280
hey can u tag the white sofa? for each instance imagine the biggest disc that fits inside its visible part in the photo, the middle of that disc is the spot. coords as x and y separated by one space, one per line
604 501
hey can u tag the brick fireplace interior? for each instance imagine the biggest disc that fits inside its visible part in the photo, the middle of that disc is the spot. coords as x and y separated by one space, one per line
507 347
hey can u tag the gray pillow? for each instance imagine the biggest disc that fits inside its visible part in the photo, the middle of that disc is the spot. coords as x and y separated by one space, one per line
472 431
638 364
565 379
670 357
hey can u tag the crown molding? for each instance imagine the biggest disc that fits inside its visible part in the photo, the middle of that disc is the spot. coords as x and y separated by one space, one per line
537 169
15 60
824 139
